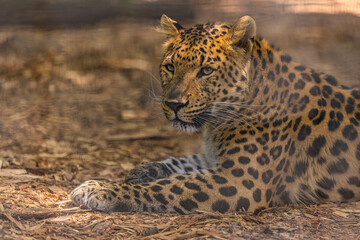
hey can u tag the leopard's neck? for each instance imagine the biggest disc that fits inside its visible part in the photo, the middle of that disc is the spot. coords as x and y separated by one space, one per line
275 83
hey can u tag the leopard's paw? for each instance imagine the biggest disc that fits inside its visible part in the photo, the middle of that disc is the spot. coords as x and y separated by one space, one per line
99 196
147 172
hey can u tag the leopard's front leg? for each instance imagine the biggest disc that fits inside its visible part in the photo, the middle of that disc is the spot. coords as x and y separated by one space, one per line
151 171
209 191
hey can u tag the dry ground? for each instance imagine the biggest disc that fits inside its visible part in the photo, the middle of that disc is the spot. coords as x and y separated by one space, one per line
78 105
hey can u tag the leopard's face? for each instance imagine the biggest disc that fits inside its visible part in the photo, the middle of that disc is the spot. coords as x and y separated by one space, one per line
195 73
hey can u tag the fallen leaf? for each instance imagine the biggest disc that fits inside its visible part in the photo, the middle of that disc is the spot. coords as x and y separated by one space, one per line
127 166
309 216
341 214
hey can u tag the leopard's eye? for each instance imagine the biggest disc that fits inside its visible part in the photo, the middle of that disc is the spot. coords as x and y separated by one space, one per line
170 67
205 71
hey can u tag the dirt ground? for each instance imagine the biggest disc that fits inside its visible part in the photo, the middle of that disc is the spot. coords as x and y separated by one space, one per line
80 104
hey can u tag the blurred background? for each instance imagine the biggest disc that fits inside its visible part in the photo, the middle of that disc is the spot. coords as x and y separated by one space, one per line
83 75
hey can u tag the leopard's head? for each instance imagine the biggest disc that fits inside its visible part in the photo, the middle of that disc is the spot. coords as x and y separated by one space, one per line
203 67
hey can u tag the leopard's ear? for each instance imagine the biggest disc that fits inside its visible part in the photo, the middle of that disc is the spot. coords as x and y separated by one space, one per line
168 26
242 31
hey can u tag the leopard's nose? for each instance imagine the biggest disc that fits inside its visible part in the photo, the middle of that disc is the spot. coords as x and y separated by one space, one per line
175 105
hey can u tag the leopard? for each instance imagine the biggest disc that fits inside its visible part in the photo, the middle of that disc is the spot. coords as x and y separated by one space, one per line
274 131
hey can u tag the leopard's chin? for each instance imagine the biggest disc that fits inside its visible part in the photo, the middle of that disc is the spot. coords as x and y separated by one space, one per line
186 126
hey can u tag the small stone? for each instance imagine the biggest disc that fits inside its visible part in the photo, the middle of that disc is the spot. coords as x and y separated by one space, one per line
151 231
